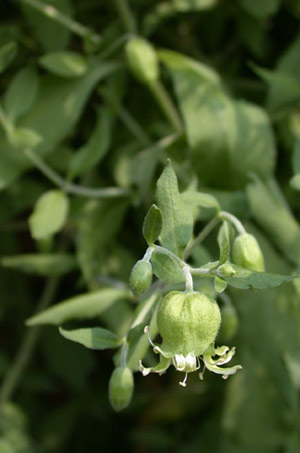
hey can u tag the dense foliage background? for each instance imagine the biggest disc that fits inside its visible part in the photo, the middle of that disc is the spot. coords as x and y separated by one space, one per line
83 122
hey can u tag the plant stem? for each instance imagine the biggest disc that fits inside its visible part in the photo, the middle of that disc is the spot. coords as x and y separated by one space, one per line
61 18
201 236
166 105
126 16
172 255
15 372
68 187
223 215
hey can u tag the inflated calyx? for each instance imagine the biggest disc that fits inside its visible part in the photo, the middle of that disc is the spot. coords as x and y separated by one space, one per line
188 323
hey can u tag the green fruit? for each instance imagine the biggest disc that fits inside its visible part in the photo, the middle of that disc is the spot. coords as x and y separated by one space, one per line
188 323
140 278
247 253
121 386
142 60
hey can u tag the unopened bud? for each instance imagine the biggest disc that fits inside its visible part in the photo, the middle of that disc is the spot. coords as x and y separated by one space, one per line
247 253
142 60
141 277
121 386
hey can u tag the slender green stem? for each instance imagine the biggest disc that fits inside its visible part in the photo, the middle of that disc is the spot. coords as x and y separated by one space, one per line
223 215
15 372
172 255
166 104
126 16
68 187
61 18
201 236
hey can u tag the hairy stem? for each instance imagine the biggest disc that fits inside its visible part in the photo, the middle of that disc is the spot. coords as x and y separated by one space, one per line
224 215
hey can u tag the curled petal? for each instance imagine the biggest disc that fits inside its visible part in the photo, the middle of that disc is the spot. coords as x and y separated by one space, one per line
227 371
160 368
225 355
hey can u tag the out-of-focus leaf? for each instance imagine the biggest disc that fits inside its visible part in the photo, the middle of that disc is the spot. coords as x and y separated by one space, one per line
86 306
51 35
49 215
260 9
227 137
202 200
96 147
41 264
100 221
21 93
7 54
23 137
59 104
64 63
177 227
92 337
152 224
271 212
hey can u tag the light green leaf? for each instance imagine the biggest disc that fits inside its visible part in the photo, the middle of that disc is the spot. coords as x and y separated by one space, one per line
219 284
86 306
260 9
92 337
152 225
296 157
64 63
51 35
177 225
7 54
21 93
96 147
226 136
23 137
49 215
270 210
166 269
245 279
41 264
224 240
295 182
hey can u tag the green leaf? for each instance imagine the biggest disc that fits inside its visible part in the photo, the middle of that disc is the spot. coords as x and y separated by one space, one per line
260 9
23 137
98 224
52 35
7 54
271 212
199 199
177 227
226 136
96 147
245 279
41 264
49 215
166 269
92 337
219 284
59 104
86 306
152 225
296 157
224 241
21 93
64 63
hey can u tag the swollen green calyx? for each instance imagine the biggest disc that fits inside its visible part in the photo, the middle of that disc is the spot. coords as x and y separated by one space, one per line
188 323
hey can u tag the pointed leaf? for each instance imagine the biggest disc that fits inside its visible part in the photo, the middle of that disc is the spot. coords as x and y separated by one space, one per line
92 337
177 225
152 224
7 54
41 264
86 306
65 63
166 269
224 242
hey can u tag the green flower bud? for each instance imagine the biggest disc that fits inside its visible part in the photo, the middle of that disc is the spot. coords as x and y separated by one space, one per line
230 322
140 278
142 60
247 253
121 386
188 323
226 270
